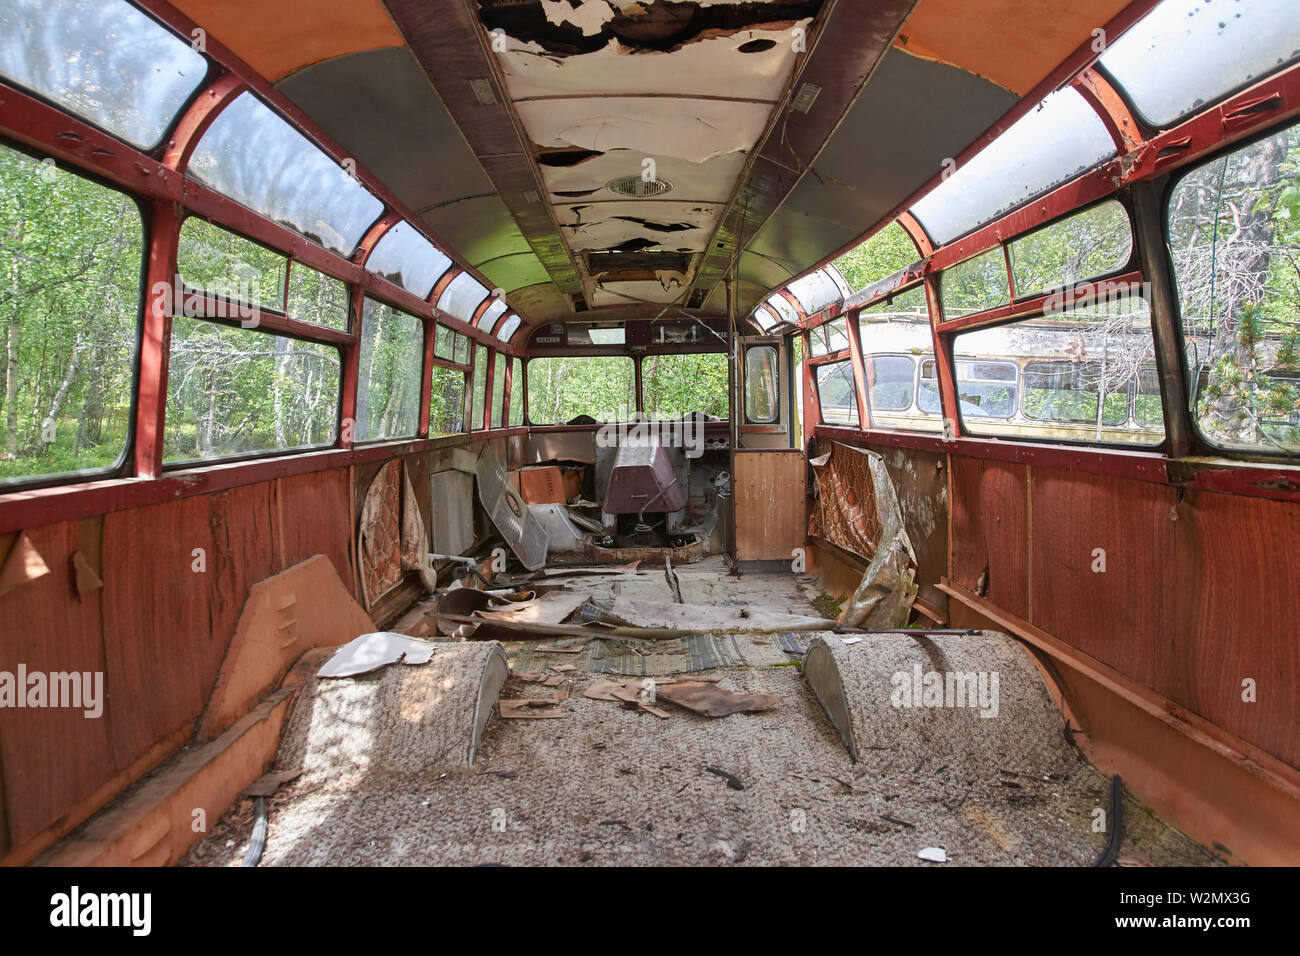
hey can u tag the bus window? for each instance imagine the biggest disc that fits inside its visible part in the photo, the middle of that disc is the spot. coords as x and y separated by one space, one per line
974 285
836 393
678 385
392 359
762 385
891 379
1237 295
446 401
601 387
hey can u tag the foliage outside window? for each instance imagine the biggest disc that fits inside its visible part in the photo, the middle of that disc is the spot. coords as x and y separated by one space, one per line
762 384
836 393
1079 376
234 391
679 385
499 391
72 253
317 298
517 393
480 387
392 360
888 251
1234 234
974 285
446 401
602 388
1088 245
221 263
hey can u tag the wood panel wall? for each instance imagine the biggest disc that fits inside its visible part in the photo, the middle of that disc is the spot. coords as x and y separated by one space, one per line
157 629
1200 589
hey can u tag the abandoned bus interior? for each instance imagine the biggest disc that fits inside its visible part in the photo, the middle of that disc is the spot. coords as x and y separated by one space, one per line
707 432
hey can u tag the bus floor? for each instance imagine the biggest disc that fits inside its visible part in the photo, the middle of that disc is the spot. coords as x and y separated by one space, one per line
606 785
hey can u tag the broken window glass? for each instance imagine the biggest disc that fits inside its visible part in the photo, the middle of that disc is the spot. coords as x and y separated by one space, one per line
817 290
836 393
257 159
600 387
1234 240
1186 54
102 60
887 252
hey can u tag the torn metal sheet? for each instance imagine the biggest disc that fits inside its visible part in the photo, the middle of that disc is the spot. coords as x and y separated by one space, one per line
714 701
858 510
372 651
554 607
562 535
509 513
415 540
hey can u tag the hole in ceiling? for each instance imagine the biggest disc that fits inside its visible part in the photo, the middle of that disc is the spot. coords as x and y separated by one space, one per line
756 46
565 156
634 245
572 193
657 226
661 25
638 188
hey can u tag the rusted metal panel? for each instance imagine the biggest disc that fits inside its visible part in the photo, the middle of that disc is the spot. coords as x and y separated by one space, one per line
1196 596
990 531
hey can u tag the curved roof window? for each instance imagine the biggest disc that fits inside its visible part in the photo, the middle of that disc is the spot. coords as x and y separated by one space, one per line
462 296
1185 54
406 258
490 316
104 61
765 318
507 330
1057 141
784 310
252 155
818 289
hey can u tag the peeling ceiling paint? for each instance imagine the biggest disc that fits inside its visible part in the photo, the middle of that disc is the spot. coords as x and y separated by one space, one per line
673 92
